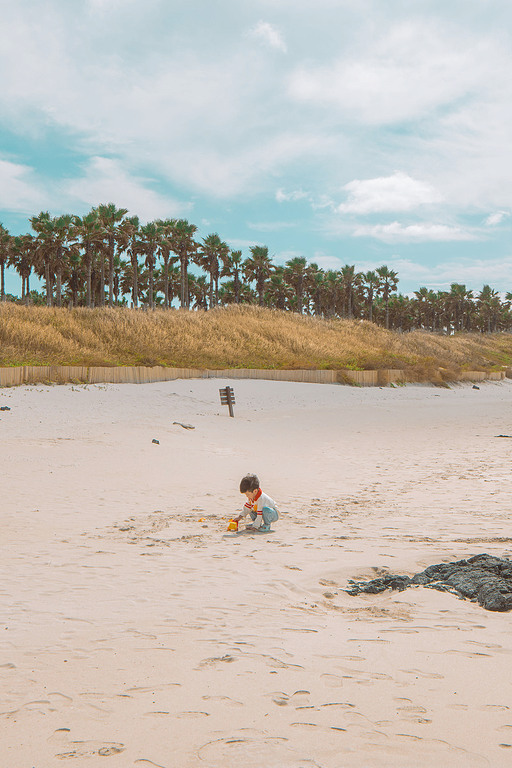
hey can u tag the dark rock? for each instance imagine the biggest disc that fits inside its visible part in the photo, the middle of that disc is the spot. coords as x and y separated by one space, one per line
484 579
379 585
4 408
156 441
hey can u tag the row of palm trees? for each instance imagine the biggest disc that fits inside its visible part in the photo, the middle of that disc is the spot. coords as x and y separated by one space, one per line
105 256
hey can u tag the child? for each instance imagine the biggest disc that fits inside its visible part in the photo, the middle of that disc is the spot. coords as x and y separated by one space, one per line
262 508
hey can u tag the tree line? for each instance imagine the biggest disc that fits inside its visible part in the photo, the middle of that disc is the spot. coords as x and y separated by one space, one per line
107 258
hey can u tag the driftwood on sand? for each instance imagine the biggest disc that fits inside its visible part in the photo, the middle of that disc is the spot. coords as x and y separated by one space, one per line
484 579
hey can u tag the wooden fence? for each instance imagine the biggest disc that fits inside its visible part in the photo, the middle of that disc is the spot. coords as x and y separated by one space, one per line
62 374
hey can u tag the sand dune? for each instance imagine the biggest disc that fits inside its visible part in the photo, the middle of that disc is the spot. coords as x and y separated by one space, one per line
136 629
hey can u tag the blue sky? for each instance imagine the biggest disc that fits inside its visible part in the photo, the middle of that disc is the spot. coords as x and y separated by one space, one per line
362 132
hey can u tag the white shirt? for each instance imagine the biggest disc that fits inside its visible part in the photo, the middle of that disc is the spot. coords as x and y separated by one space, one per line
257 506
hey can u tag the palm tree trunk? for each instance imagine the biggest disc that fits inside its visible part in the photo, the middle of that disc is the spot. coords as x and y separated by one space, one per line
48 284
135 292
59 287
184 294
260 284
150 289
88 262
183 265
166 283
102 281
210 293
111 248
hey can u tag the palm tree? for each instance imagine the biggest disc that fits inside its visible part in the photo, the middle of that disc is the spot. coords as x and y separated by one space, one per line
42 224
110 217
211 252
62 249
422 306
388 281
245 294
198 291
332 292
75 277
87 231
258 267
370 287
315 288
401 310
184 246
457 304
150 237
296 273
166 228
349 280
5 251
490 307
22 259
278 291
232 267
128 240
119 267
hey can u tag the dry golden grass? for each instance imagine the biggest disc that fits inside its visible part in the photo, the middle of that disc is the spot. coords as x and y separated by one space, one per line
234 337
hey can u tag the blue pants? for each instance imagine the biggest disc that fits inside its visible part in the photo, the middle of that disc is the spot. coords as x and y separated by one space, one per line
269 516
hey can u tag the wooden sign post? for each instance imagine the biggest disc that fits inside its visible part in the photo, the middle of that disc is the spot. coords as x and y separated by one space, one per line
227 397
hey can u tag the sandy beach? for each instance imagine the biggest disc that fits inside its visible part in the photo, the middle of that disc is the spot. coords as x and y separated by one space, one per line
136 633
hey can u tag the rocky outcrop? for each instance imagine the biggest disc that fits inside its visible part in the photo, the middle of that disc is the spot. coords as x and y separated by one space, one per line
484 579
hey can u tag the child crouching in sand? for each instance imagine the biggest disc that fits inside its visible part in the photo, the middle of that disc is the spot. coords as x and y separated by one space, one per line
259 506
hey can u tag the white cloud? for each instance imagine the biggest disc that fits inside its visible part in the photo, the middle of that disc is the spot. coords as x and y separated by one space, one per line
238 244
269 35
106 180
496 218
396 232
270 226
238 169
286 197
409 70
198 107
20 189
398 192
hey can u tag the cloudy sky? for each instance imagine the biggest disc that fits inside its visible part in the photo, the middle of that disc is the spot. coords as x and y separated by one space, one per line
362 132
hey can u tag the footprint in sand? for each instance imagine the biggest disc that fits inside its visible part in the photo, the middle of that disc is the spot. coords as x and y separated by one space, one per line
213 661
420 673
90 749
154 688
413 713
224 699
254 752
42 705
495 707
298 699
332 681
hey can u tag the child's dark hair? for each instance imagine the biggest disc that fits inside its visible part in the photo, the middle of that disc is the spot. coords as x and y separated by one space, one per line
249 483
